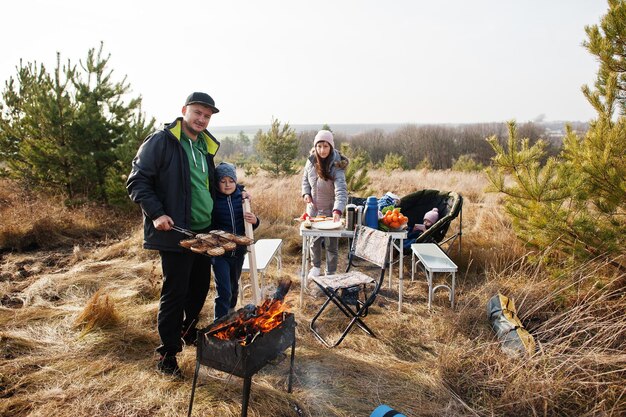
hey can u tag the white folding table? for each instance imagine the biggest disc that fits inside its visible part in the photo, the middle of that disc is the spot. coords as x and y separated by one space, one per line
433 260
265 251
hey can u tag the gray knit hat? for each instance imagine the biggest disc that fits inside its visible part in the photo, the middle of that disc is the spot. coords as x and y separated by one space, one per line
324 136
224 169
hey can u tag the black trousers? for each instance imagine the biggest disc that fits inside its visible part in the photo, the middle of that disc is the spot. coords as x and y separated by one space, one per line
186 279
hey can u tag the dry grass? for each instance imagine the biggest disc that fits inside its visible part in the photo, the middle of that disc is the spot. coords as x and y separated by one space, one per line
423 363
43 222
99 313
580 364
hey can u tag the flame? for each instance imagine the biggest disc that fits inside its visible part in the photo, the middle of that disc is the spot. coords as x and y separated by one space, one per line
269 315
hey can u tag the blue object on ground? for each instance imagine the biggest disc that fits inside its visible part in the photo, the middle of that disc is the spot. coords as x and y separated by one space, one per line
386 411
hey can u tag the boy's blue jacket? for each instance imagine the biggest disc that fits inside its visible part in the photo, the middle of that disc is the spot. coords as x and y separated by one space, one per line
228 216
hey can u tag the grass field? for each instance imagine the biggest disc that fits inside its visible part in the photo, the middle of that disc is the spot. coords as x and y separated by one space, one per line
79 297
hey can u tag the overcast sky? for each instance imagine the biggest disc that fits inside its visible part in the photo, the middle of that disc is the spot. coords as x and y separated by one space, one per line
326 61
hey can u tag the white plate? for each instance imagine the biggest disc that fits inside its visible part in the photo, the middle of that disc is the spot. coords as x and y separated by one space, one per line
327 225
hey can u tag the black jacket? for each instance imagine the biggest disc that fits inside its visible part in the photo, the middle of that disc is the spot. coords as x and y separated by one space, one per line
160 183
228 216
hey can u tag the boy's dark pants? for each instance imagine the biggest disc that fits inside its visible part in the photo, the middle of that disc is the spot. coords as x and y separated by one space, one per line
186 279
227 272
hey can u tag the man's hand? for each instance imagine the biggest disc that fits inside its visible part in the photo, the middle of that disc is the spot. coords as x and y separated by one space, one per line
163 223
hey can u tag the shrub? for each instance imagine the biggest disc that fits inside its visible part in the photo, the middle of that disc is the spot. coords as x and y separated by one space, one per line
466 163
394 161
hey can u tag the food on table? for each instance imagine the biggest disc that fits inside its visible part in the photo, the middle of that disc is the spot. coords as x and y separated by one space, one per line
306 217
393 219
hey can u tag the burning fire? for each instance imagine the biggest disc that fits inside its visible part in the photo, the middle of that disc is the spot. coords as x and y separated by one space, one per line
251 321
269 315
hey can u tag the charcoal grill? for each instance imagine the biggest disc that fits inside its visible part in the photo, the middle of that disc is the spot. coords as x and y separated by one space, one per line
244 361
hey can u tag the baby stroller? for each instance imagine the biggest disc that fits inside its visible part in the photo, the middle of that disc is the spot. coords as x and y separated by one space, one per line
449 204
415 205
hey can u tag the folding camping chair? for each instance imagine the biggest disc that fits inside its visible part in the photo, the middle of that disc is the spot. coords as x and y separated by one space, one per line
450 206
344 290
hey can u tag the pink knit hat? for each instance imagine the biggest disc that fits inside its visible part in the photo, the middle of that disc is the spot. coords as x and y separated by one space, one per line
432 216
324 136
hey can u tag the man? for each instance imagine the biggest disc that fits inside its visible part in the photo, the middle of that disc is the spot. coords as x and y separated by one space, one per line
173 180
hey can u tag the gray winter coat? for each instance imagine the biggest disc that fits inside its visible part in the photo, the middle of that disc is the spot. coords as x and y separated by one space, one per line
327 195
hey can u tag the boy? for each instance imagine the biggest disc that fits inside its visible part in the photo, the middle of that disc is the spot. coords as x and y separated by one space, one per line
228 215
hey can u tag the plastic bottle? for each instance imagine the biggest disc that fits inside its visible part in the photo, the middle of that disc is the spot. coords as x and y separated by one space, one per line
370 215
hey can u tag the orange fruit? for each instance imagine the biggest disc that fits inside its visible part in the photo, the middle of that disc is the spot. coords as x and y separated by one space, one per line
394 225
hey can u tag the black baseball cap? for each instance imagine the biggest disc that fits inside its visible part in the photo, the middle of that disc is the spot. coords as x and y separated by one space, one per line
201 98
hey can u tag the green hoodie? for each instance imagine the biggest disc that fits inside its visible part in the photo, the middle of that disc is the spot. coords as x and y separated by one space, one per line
201 200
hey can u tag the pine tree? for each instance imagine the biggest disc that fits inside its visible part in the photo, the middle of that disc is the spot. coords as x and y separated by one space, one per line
64 131
607 43
36 122
102 119
138 129
393 161
357 177
279 148
576 202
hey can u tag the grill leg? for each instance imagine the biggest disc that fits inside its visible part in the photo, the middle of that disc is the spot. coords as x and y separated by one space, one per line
193 387
247 383
293 352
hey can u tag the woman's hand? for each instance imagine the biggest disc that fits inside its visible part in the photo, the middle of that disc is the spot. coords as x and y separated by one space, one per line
307 199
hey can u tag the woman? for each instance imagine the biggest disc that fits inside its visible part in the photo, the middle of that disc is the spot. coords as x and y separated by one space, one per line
325 192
